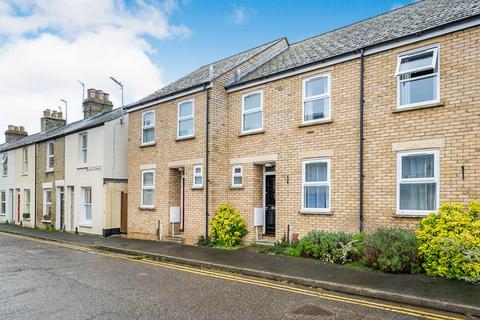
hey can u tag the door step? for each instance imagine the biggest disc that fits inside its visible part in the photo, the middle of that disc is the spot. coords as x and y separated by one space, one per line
177 239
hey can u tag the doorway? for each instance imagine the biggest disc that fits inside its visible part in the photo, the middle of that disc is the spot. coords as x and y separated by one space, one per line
18 206
269 179
182 200
71 195
60 212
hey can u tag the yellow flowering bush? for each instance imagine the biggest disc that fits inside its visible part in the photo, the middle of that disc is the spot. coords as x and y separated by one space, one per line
228 227
449 242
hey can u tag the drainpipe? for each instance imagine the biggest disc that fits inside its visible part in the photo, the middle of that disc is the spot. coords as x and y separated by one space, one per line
362 58
35 189
207 125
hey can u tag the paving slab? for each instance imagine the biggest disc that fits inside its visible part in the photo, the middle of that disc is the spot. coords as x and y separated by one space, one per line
420 290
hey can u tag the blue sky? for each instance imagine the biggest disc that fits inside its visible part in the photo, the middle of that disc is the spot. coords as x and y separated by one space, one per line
222 28
47 45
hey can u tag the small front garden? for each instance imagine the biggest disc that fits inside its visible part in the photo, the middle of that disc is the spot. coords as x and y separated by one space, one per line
446 244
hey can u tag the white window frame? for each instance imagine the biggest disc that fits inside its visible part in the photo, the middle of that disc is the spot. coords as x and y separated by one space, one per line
4 161
49 156
25 160
317 97
319 184
144 127
45 203
244 113
189 117
236 175
434 179
195 174
85 205
3 202
83 151
435 64
147 188
28 203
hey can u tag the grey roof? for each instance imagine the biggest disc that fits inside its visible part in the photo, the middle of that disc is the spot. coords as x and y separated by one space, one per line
409 20
202 75
73 127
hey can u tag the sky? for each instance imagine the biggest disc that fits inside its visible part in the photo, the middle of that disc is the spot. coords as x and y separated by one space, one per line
47 46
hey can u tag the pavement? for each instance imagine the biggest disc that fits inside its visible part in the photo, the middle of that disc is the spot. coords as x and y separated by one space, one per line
419 290
45 280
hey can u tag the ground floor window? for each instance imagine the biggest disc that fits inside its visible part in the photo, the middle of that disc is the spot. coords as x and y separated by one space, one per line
47 203
27 200
3 202
197 176
87 204
316 185
417 182
237 175
148 189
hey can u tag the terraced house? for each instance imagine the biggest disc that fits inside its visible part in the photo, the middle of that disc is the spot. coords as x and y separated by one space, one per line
374 124
70 177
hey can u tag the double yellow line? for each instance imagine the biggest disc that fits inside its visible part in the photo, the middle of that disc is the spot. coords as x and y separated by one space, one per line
265 284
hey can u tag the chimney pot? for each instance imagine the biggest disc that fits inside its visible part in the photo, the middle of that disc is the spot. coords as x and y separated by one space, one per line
22 128
46 113
11 127
60 115
97 102
14 133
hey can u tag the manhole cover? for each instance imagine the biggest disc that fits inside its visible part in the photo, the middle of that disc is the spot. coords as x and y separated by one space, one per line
311 311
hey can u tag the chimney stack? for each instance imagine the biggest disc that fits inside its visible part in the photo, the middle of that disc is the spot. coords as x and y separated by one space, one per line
96 102
51 120
14 133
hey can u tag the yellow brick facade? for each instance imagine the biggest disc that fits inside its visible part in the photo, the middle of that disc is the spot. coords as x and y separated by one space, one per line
455 121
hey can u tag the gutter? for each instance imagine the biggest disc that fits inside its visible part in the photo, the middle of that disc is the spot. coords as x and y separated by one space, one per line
362 102
207 125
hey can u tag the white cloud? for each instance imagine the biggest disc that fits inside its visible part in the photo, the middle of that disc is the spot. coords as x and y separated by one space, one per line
50 44
239 15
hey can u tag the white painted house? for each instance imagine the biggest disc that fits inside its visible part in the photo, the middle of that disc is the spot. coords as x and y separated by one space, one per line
96 168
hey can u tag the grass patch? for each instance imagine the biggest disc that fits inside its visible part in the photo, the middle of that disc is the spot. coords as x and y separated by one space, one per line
140 257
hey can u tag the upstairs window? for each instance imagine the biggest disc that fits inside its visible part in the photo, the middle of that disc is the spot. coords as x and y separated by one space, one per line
316 98
417 182
418 78
197 176
185 119
25 160
148 127
316 185
237 176
148 189
252 112
4 163
50 156
3 202
83 148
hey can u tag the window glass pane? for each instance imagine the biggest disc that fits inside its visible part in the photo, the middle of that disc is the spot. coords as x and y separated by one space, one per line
316 171
185 128
148 179
317 86
88 212
420 90
198 170
252 121
316 109
198 180
148 197
418 166
51 149
186 109
51 162
418 61
148 119
237 180
238 170
316 197
418 196
88 195
252 101
84 141
148 135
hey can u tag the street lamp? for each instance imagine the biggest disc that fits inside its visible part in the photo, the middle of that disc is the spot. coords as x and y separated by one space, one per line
66 109
121 88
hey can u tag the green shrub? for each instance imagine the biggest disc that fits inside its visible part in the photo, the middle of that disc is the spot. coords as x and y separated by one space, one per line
449 242
279 247
204 242
6 221
49 228
336 247
228 228
392 250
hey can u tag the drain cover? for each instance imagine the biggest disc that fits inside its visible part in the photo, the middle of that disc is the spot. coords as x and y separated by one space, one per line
311 311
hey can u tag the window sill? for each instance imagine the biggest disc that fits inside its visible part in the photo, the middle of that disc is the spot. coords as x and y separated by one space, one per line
311 212
197 187
185 138
46 221
423 106
410 215
144 145
24 174
315 123
26 219
146 208
85 225
83 167
243 134
3 214
237 187
49 170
